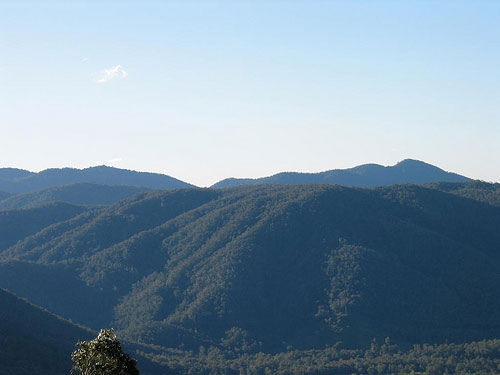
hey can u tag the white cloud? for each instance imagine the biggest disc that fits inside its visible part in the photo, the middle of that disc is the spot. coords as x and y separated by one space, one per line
115 160
108 74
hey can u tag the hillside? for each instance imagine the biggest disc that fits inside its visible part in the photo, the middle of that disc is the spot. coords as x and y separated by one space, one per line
269 268
84 194
15 225
477 190
4 195
19 181
35 342
368 175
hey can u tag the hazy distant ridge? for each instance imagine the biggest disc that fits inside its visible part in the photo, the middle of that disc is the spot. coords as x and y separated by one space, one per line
20 181
367 175
84 194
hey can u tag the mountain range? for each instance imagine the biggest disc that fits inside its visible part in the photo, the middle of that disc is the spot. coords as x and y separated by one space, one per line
368 175
14 180
300 266
257 279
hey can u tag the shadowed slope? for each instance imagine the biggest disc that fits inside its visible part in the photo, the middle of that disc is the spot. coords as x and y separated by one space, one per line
15 225
84 194
35 342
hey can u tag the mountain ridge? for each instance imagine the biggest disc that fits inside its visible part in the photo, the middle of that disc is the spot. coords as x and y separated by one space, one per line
365 175
20 181
83 194
189 267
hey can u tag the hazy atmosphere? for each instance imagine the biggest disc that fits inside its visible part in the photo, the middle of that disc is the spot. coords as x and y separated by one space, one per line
204 90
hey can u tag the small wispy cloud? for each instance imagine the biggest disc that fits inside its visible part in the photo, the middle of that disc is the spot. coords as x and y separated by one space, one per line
108 74
85 59
114 160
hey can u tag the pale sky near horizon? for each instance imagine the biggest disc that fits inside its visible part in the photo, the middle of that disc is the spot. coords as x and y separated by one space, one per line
204 90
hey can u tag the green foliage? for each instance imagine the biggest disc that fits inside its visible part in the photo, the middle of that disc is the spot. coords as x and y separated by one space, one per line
476 358
272 268
102 356
477 190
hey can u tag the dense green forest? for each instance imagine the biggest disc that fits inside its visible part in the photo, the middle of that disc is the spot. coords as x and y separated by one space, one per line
278 279
477 190
476 358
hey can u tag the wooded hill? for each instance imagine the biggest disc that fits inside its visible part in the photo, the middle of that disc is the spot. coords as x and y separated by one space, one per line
274 268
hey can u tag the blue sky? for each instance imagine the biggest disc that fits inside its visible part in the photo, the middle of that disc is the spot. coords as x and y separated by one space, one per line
203 90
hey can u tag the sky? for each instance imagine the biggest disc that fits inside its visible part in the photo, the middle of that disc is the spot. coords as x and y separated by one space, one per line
205 90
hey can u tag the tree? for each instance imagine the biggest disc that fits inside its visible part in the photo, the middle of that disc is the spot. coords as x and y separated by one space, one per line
102 356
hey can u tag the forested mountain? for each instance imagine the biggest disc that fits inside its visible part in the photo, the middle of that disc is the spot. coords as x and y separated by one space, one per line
368 175
84 194
269 268
11 174
20 181
478 190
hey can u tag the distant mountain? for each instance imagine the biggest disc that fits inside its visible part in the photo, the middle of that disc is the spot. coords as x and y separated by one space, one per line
368 175
267 268
20 181
11 174
85 194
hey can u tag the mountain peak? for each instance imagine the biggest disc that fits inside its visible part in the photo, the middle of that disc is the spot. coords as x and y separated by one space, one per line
407 171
